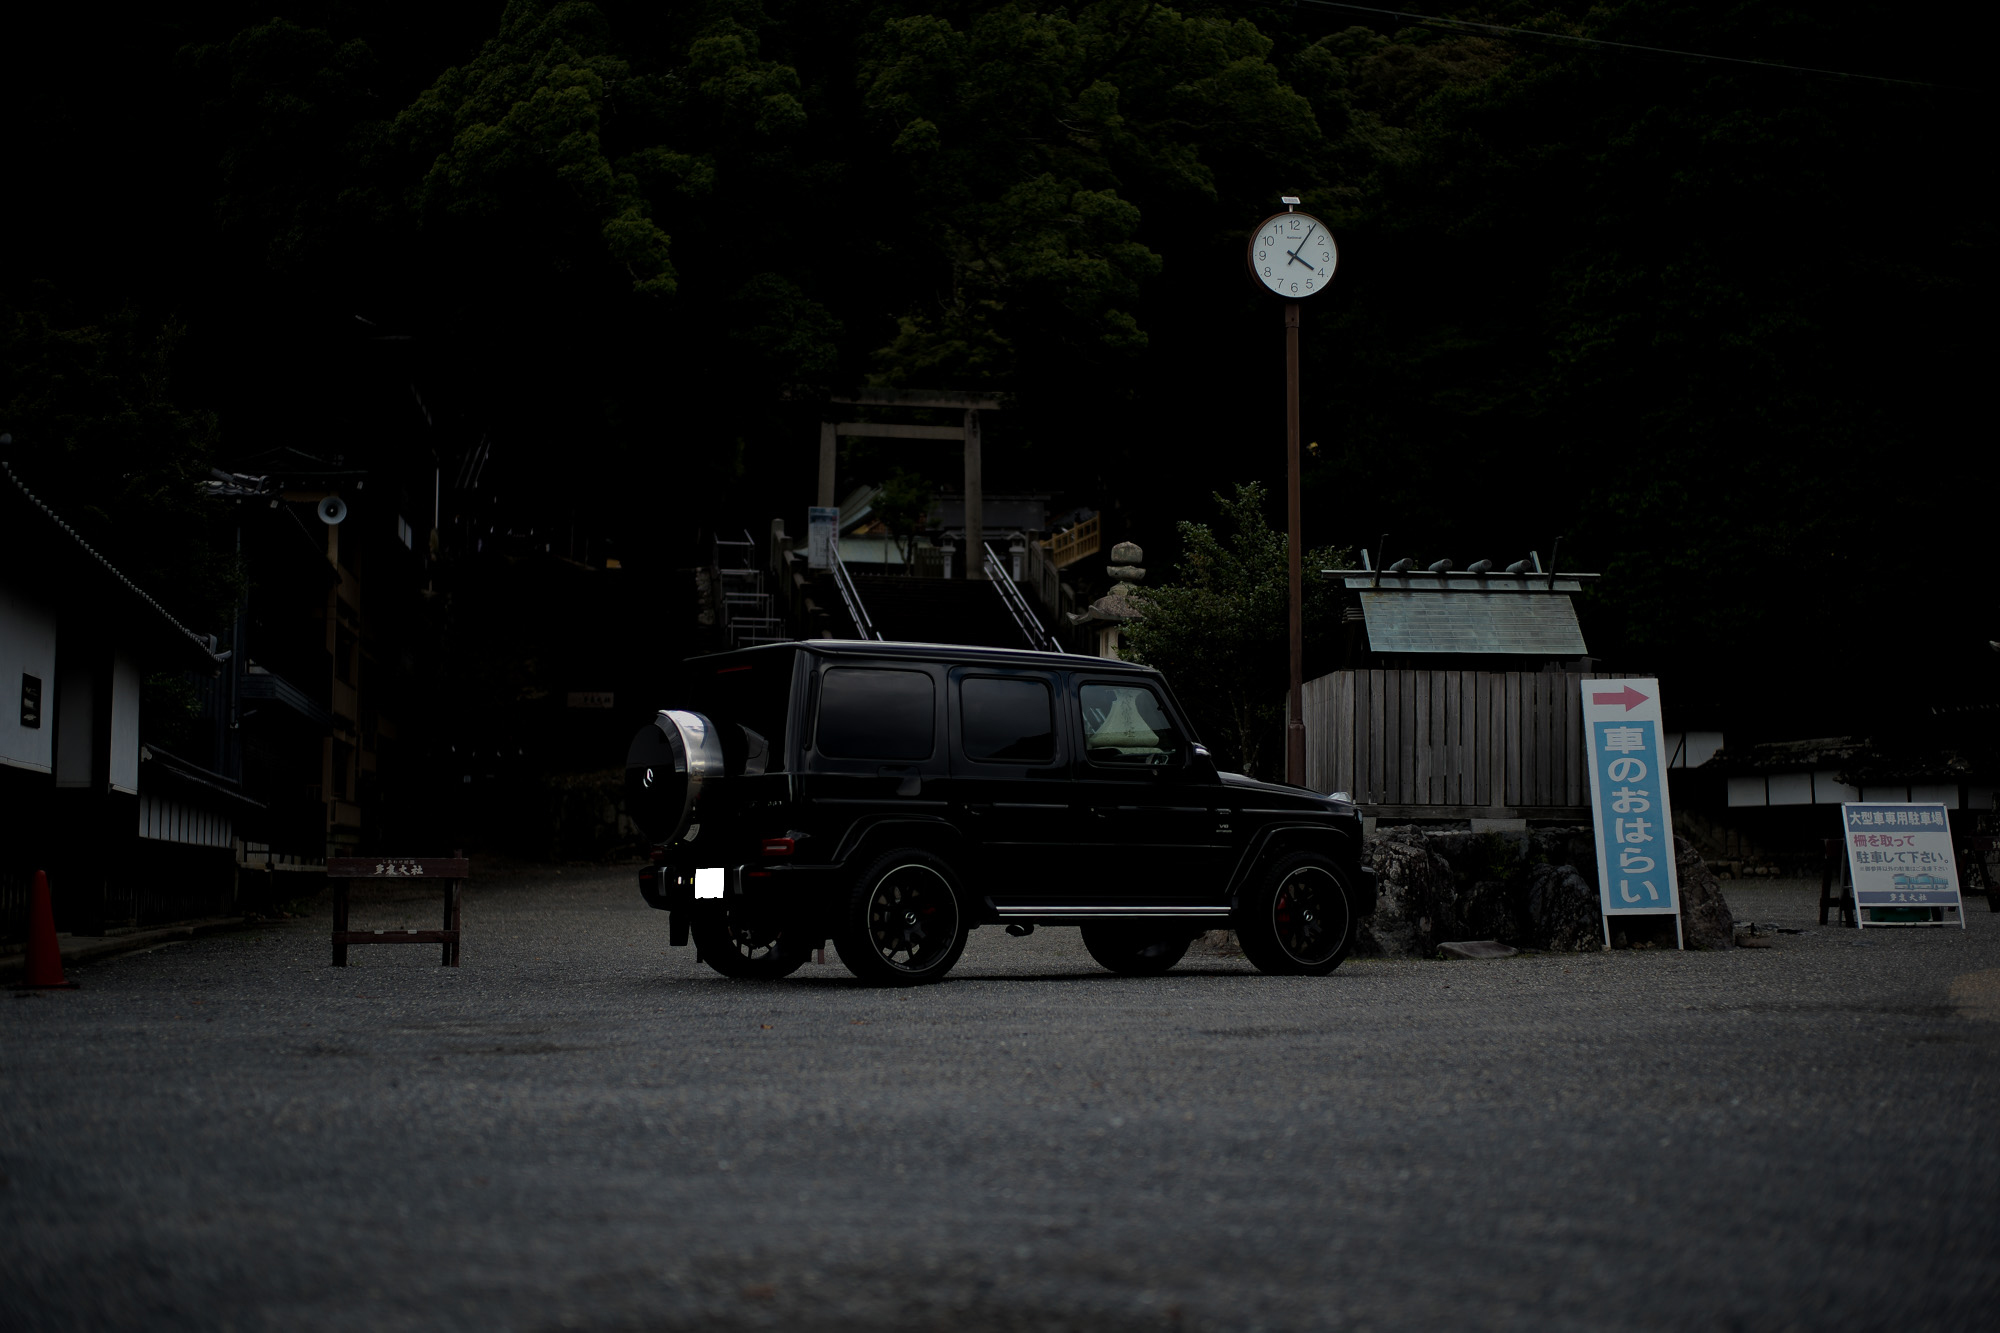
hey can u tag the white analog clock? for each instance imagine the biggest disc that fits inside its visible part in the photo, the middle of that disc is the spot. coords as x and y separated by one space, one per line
1293 255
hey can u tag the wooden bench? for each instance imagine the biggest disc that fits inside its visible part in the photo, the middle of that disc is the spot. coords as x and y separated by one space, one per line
452 872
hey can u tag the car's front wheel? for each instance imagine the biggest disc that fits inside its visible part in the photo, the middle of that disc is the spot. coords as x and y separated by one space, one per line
904 923
1298 918
746 945
1135 949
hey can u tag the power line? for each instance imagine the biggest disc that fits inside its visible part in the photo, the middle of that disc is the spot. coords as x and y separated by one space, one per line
1624 46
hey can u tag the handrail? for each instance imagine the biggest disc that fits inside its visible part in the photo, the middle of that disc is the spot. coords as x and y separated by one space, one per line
851 596
1074 543
1017 606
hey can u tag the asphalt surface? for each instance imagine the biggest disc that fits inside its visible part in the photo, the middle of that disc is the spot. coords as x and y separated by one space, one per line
580 1128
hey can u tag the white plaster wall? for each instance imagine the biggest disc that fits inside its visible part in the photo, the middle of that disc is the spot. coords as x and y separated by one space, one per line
125 723
75 713
27 648
1747 791
1791 788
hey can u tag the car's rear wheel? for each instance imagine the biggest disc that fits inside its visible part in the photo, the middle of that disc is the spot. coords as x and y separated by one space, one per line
1298 918
904 923
748 946
1135 949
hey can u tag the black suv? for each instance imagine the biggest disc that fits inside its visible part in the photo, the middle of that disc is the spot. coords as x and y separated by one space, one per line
892 796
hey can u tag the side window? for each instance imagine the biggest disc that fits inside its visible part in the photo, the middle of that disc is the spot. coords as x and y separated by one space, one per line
1125 724
1007 719
865 713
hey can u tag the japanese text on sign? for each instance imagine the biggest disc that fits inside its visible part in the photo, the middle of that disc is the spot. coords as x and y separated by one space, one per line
1628 797
1900 857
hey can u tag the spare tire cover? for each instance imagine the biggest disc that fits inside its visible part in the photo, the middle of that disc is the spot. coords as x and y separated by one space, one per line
669 763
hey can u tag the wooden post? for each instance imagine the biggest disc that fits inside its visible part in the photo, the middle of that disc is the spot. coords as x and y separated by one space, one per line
975 500
340 923
829 445
1295 725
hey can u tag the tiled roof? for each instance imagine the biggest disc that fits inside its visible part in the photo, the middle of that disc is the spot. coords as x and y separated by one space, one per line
1542 624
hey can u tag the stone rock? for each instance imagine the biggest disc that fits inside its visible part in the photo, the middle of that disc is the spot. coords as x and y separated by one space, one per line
1563 910
1534 888
1127 553
1488 910
1475 949
1706 921
1414 884
1129 573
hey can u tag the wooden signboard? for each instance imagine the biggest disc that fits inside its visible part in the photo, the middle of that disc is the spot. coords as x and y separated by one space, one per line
449 871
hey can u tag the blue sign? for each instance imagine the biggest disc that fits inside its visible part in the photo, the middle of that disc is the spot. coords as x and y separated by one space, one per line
1636 874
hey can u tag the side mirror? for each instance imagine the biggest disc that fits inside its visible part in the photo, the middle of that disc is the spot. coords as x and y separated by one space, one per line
1201 765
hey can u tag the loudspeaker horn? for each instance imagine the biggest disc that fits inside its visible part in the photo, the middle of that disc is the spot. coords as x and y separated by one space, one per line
332 510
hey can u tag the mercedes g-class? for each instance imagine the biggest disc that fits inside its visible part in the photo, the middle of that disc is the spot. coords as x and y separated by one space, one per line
891 797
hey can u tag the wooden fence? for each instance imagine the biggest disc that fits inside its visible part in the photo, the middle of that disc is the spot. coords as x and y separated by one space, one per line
1450 744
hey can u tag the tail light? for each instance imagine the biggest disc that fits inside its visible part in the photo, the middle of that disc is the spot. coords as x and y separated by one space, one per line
778 846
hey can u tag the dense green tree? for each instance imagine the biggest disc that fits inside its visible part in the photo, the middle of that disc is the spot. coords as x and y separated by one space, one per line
1701 319
1220 629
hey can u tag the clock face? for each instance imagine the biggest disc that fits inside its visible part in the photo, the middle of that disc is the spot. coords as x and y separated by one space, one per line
1293 255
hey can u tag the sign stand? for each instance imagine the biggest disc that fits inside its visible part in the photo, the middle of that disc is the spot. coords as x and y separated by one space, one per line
1636 874
452 871
1833 876
1901 863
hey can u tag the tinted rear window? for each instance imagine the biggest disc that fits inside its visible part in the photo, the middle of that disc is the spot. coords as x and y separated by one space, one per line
1009 718
866 713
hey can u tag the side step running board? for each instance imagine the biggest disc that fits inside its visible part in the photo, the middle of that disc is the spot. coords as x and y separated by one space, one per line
1069 912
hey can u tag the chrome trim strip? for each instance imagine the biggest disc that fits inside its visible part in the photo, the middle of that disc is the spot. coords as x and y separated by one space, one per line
1108 911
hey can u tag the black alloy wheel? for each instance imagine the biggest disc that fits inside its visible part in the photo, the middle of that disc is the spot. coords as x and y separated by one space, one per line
905 922
1298 919
744 944
1136 948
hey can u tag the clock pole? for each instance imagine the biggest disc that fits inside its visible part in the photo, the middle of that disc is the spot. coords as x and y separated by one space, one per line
1276 267
1295 721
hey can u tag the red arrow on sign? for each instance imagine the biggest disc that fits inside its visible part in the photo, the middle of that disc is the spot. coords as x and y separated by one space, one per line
1628 696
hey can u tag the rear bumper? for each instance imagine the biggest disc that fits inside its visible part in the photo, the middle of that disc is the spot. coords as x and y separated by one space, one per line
803 892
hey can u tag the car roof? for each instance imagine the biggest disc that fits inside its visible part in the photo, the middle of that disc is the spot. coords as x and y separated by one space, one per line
934 652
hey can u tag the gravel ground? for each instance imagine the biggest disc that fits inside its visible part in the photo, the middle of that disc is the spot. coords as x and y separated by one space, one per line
580 1128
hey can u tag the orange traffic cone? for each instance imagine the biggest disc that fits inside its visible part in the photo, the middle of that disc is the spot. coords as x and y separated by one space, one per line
44 969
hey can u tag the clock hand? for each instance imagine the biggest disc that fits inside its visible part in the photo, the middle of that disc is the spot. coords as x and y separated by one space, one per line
1293 255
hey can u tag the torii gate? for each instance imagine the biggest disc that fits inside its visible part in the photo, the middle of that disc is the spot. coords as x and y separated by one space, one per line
972 403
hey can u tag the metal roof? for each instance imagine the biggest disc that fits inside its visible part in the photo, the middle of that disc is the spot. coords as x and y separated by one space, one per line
1402 621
